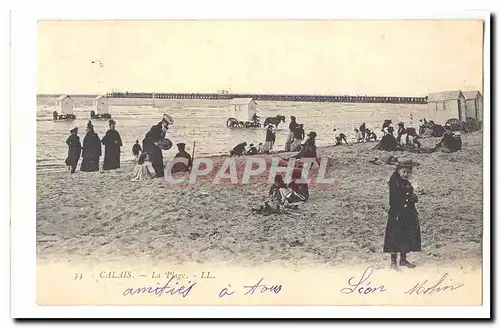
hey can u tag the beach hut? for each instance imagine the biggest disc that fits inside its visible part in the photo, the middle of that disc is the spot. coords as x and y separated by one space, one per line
446 105
243 108
65 104
101 105
474 105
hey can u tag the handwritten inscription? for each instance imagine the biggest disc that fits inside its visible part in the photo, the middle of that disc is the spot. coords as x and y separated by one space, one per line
259 288
168 288
428 289
262 288
361 285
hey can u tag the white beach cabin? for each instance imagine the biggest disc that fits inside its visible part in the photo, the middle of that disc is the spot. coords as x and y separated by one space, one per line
446 105
243 108
474 105
101 105
65 104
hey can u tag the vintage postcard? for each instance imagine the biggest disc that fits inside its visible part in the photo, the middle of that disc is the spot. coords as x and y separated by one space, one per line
301 162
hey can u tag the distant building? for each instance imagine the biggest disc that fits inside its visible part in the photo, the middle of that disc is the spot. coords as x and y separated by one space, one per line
446 105
243 108
65 104
101 105
474 105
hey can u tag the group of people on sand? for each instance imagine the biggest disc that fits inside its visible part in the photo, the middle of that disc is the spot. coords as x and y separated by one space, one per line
91 150
148 158
407 139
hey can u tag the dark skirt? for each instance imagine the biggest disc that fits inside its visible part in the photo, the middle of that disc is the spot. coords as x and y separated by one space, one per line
90 164
402 234
111 158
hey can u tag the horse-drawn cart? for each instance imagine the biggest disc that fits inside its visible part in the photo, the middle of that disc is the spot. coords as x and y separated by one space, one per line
244 112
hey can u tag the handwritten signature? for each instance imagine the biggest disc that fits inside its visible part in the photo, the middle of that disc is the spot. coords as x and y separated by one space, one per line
158 290
361 285
421 287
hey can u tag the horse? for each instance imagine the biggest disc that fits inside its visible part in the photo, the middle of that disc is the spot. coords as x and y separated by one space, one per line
274 120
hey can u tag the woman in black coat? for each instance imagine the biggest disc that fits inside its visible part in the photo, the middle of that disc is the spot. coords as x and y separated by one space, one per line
149 145
91 150
112 143
402 234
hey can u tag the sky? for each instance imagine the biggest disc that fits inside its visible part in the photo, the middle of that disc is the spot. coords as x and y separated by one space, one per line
400 58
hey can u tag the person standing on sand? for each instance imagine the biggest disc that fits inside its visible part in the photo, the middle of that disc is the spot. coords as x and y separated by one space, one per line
402 233
91 150
270 139
74 149
362 129
308 149
291 134
298 136
112 143
150 146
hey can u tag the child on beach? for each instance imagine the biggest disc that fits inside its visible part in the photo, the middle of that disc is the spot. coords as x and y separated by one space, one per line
144 169
136 150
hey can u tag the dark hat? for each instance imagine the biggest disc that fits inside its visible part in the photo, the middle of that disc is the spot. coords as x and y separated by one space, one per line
407 163
401 124
73 130
293 117
90 125
312 134
181 145
112 122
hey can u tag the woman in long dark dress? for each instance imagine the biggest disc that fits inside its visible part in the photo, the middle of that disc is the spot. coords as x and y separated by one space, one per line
112 143
402 234
149 146
74 149
91 150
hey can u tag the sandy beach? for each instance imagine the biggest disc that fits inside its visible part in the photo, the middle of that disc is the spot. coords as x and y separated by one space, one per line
104 216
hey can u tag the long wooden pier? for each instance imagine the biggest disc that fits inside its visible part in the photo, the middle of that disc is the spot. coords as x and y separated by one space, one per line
273 97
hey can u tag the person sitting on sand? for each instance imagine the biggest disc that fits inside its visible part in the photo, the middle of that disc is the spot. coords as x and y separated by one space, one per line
339 137
91 150
252 150
359 136
270 139
259 149
386 125
74 149
402 234
401 131
450 143
238 150
136 150
144 169
291 194
388 143
370 135
182 153
298 136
